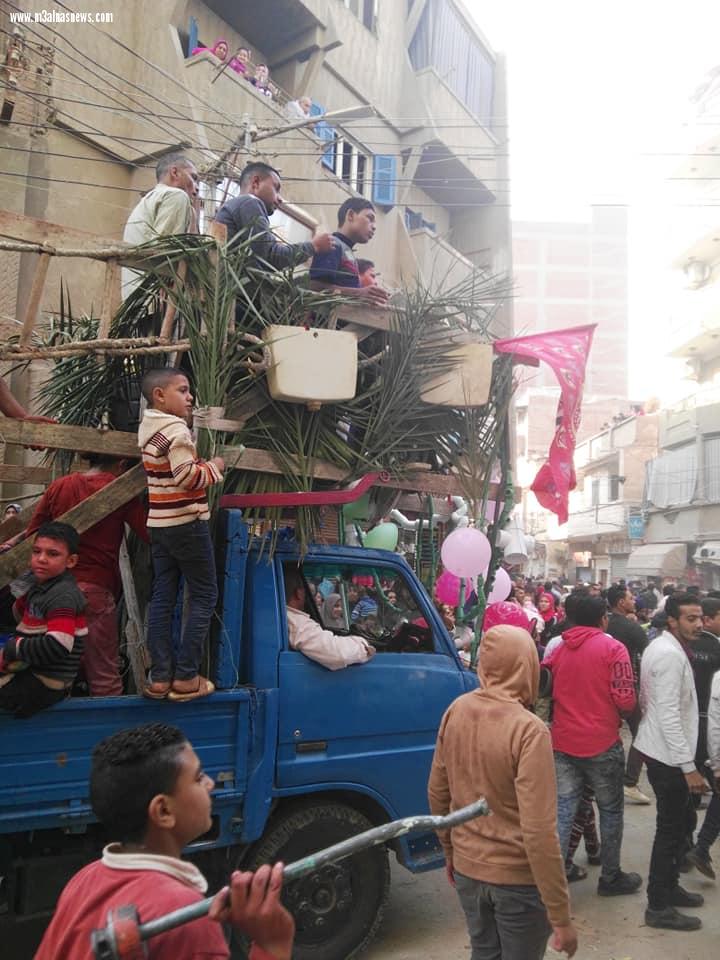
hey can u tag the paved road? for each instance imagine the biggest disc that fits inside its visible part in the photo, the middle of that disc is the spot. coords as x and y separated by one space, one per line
424 920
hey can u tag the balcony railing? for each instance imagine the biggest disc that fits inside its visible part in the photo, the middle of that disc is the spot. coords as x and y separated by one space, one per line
595 521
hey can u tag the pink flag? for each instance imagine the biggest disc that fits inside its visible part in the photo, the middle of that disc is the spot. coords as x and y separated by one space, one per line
566 351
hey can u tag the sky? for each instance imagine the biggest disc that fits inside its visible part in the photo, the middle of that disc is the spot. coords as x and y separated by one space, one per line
598 104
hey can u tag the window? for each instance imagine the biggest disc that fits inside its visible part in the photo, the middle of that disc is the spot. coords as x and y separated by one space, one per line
614 489
444 41
346 160
365 10
595 493
374 602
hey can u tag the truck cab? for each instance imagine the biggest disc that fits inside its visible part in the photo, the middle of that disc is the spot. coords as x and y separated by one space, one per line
302 756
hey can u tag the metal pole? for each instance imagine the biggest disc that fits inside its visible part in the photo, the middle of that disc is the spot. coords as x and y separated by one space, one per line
364 841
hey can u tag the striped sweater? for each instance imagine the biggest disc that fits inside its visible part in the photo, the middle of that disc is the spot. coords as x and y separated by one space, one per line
177 478
51 630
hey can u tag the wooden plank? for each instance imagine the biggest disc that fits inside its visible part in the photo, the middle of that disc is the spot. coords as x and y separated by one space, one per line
134 632
110 286
57 436
168 323
18 226
33 304
261 461
379 318
10 473
82 517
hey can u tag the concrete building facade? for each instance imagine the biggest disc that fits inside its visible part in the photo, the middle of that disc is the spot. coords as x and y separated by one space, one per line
682 495
117 96
567 275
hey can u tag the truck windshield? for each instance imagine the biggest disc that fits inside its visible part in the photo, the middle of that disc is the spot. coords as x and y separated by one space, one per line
375 602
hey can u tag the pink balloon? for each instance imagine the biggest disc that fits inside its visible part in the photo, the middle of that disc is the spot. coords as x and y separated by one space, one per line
466 552
502 585
447 588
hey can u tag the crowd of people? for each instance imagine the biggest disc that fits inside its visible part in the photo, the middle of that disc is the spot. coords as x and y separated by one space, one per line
595 657
240 63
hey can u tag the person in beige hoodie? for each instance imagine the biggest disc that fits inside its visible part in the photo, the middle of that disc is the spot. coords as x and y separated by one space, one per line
507 868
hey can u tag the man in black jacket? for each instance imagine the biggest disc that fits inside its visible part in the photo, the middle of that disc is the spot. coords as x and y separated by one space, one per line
706 660
622 603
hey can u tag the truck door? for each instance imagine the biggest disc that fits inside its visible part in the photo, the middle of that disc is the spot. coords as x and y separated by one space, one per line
375 723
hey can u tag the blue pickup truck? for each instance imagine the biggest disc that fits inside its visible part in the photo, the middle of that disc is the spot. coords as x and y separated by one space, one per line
302 756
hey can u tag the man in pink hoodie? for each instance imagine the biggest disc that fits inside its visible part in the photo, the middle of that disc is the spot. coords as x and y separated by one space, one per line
593 688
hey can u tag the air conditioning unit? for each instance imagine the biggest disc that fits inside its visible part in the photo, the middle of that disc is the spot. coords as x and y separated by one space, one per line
707 552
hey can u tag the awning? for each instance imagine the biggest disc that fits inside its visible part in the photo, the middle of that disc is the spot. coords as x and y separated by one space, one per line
708 552
658 560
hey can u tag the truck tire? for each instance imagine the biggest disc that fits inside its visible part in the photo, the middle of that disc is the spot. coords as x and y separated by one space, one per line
339 908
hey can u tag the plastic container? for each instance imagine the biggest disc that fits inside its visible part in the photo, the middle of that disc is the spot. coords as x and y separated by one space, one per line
311 366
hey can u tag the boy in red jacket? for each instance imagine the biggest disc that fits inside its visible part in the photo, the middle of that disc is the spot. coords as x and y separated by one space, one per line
593 687
148 789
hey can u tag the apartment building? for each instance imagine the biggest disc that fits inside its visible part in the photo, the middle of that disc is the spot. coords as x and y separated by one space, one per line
565 275
682 497
606 519
430 150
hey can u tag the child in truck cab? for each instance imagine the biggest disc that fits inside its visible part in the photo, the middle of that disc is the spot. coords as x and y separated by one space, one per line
149 791
39 663
179 533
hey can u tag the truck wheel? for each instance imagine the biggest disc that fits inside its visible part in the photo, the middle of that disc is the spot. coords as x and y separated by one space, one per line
339 908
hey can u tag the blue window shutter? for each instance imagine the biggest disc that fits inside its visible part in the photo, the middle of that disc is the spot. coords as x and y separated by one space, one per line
192 35
384 176
323 131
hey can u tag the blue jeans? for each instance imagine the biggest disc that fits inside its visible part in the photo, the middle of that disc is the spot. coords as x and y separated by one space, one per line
505 922
604 774
186 550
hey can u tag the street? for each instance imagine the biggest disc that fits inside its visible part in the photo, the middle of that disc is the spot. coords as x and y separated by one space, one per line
424 917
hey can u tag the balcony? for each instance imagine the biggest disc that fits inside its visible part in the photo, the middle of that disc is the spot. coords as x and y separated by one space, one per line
282 29
603 519
695 325
460 134
439 264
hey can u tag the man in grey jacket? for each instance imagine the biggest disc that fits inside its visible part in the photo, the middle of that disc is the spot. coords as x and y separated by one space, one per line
247 216
667 737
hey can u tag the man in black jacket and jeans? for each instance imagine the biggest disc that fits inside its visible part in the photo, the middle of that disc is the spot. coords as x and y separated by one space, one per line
622 603
706 660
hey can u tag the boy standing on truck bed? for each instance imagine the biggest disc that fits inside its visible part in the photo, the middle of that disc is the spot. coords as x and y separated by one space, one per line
179 534
507 869
148 789
44 655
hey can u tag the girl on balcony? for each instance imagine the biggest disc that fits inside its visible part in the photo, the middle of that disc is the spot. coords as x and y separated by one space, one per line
219 49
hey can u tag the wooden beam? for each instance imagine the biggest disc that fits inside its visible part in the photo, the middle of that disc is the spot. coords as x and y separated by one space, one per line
107 304
18 226
57 436
83 516
33 304
11 473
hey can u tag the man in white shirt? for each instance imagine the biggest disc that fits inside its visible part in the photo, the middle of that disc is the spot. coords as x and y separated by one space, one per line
329 649
165 210
667 737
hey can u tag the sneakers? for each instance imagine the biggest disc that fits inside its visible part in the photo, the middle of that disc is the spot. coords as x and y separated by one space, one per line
701 861
680 897
671 919
621 884
635 795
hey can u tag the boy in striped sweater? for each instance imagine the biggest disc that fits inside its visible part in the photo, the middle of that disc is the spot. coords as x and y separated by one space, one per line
178 525
38 664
